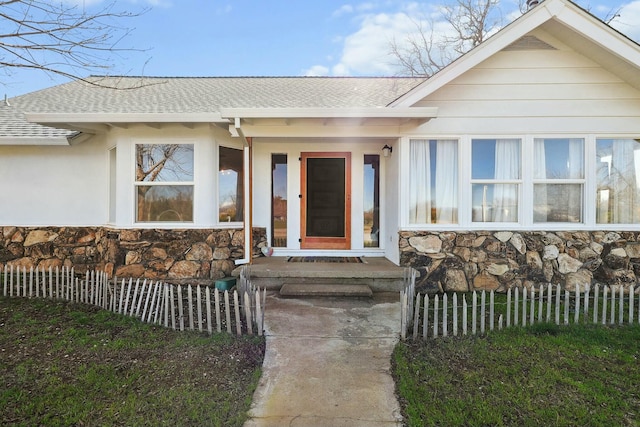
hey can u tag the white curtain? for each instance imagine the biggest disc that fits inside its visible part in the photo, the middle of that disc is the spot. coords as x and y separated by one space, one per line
624 182
507 167
446 182
419 182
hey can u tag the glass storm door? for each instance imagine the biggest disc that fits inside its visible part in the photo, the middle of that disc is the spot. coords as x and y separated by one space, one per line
325 204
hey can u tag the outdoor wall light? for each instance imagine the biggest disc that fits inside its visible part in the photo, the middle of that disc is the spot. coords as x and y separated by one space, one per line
386 150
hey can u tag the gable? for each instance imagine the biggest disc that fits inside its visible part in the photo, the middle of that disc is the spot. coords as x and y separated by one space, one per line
560 20
536 83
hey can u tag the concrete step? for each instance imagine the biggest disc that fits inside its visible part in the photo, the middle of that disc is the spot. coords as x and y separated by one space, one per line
324 290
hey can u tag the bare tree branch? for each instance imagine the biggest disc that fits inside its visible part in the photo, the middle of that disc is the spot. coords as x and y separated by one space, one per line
424 52
62 39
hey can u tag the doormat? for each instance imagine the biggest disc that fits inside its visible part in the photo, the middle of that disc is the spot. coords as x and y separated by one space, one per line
346 259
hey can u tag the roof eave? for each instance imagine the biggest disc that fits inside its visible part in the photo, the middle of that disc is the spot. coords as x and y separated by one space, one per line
35 141
123 118
329 113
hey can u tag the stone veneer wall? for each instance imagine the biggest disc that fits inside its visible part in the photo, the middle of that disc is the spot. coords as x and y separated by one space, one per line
172 255
463 261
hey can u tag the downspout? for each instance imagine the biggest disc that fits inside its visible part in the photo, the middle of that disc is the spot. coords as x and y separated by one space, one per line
248 194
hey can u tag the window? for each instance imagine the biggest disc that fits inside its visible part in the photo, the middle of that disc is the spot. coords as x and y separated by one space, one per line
164 182
279 200
371 201
617 181
230 185
495 179
433 181
558 180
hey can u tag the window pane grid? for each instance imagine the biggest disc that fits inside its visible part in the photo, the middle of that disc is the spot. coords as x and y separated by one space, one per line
164 182
558 181
496 180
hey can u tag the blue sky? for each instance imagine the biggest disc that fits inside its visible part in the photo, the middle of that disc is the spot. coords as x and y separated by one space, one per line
275 37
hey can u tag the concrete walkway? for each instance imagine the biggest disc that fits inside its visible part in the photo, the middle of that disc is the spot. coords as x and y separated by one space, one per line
328 363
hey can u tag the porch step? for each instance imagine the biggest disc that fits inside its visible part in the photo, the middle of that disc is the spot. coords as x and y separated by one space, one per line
324 290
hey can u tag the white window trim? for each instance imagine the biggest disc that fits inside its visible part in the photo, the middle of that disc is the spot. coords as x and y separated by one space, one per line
526 183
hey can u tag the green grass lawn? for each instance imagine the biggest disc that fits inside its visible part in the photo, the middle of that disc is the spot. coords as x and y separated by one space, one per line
70 364
541 375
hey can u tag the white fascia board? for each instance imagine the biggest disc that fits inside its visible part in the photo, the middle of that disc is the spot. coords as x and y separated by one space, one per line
503 38
602 35
41 141
328 113
52 118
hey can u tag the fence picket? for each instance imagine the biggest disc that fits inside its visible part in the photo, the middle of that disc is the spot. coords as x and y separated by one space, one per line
436 300
596 292
491 309
425 325
621 309
445 311
532 308
237 311
566 307
173 308
259 318
216 297
483 297
403 314
474 314
631 299
464 315
208 301
199 302
417 315
612 304
605 290
30 282
455 314
576 315
190 305
524 306
515 306
540 303
247 310
227 310
180 308
508 307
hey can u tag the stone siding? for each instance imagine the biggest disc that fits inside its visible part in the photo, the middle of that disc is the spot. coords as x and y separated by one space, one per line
171 255
464 261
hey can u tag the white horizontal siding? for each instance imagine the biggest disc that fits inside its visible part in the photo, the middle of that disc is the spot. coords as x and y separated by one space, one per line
539 91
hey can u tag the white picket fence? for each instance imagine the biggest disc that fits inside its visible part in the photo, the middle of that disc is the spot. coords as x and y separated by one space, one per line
442 315
180 307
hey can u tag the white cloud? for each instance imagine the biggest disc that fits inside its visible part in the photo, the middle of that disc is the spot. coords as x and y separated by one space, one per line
368 50
317 71
345 9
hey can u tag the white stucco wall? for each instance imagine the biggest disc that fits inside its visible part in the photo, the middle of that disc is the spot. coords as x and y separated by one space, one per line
61 185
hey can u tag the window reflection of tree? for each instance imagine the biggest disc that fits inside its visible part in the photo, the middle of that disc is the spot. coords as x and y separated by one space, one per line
164 163
231 184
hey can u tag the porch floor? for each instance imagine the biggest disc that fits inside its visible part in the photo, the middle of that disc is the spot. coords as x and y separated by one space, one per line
380 274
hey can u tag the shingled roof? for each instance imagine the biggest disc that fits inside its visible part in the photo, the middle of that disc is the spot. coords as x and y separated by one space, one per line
195 95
